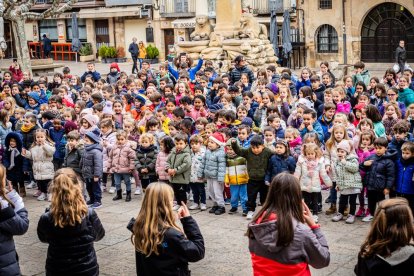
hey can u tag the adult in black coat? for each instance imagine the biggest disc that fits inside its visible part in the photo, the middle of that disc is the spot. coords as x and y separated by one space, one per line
401 56
47 46
241 68
134 50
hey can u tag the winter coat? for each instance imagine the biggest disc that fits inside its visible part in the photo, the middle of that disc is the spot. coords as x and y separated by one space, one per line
121 159
381 174
347 176
302 83
146 158
74 254
362 155
160 166
295 147
13 221
396 145
364 76
256 164
16 173
235 74
73 157
317 128
260 116
110 138
310 180
213 165
379 129
191 72
236 171
28 137
42 157
280 133
326 125
92 161
180 161
406 96
17 74
95 75
308 247
320 92
133 49
278 164
175 252
404 183
113 77
400 262
196 161
343 107
57 138
4 130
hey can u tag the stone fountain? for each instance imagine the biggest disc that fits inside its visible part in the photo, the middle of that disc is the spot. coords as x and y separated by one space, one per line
235 33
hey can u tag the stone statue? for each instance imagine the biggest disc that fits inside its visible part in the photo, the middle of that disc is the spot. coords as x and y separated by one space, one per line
202 30
250 28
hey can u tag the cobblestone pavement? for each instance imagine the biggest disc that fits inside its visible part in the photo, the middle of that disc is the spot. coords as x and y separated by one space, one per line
226 246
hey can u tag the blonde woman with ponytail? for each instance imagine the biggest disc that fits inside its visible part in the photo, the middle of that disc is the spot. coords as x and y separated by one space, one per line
70 228
161 247
13 221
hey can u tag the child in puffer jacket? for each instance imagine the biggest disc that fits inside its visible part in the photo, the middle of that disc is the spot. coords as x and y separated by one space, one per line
213 168
166 145
197 185
14 221
280 162
108 137
310 170
404 184
348 180
292 136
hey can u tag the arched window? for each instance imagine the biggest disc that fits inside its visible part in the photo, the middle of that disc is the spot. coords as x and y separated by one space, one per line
325 4
327 39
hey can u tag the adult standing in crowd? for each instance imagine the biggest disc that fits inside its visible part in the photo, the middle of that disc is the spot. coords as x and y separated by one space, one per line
401 56
241 68
142 53
47 46
134 50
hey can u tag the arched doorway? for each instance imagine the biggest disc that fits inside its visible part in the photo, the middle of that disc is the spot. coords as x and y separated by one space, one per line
381 31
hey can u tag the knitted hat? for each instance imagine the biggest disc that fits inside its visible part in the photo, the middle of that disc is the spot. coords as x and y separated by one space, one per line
91 119
247 121
359 106
69 126
94 135
344 145
272 87
114 65
34 95
218 138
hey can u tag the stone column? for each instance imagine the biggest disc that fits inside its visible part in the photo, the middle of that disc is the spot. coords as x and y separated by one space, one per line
111 30
120 32
228 13
90 33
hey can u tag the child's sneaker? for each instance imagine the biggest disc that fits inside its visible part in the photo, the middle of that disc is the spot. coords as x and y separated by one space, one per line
31 185
89 203
337 217
137 191
233 210
190 197
350 219
244 213
124 192
37 193
250 215
367 212
203 207
41 197
315 218
112 190
194 206
368 218
96 205
220 210
360 213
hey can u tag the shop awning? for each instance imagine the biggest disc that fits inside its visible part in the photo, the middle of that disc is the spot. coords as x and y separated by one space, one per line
184 23
106 12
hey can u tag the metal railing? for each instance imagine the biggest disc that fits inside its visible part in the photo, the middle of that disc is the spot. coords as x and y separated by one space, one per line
266 6
173 7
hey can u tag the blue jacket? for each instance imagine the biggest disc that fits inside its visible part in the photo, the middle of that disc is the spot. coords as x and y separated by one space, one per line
92 161
381 174
60 143
280 133
95 75
325 127
191 71
317 128
404 183
213 165
278 164
396 145
302 83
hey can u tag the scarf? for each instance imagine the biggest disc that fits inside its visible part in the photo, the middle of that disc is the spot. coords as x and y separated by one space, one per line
27 128
13 154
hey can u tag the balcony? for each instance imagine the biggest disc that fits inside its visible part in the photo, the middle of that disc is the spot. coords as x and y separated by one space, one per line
45 4
177 8
266 6
110 3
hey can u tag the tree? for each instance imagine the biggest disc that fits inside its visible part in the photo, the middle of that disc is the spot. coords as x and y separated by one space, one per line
18 11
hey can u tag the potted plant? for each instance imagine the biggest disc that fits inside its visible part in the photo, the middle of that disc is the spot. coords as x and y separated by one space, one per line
86 53
152 54
120 55
108 54
102 52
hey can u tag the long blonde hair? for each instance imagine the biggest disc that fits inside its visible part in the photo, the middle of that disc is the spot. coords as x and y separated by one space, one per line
331 141
68 206
154 218
3 188
12 102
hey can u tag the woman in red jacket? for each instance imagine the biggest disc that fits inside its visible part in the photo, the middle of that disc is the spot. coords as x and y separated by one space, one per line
283 237
17 74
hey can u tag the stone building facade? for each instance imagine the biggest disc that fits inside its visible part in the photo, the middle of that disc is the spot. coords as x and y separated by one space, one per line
352 30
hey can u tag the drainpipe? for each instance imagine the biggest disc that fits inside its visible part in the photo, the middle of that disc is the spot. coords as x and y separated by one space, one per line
344 33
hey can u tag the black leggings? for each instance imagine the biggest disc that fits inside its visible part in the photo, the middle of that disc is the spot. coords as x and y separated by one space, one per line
311 199
374 197
180 192
17 184
343 201
43 185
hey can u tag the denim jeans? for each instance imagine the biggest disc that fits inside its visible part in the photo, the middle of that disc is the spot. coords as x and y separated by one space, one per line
199 192
333 194
238 192
122 176
94 190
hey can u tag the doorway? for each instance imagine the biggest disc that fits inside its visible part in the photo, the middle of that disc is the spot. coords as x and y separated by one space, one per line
101 33
168 40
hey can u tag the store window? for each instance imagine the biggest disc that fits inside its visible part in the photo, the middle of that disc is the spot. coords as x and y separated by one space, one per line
81 28
325 4
48 27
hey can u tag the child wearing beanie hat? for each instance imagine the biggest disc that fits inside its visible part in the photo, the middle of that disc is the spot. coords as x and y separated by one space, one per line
348 180
213 169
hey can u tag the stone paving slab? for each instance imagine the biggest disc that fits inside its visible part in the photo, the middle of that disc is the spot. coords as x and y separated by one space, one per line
226 246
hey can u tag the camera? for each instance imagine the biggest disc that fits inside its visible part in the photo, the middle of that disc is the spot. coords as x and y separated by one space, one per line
130 225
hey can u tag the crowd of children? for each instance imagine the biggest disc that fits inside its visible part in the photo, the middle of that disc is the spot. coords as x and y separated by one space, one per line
218 136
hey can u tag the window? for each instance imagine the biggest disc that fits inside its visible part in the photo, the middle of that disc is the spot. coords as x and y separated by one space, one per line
327 39
325 4
48 27
81 28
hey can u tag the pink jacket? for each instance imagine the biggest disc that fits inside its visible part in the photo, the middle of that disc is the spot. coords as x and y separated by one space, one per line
362 155
195 114
110 139
121 159
343 107
160 166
